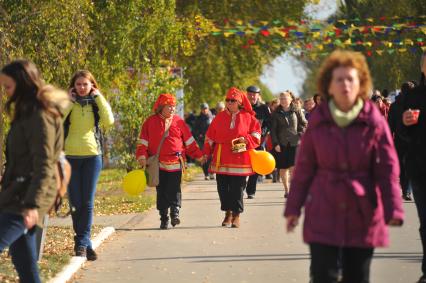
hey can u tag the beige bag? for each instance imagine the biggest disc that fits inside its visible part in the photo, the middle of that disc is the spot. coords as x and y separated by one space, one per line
153 170
153 165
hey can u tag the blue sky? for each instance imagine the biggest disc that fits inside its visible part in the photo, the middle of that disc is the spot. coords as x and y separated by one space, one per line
285 72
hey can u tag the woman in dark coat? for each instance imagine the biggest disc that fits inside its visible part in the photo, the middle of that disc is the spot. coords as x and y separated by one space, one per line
346 174
288 125
34 142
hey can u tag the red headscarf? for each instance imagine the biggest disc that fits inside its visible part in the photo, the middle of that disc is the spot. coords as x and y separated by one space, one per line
164 99
241 97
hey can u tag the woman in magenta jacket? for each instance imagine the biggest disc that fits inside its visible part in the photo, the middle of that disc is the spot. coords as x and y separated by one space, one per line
346 175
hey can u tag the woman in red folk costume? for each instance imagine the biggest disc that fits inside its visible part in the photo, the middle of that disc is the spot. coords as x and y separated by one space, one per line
177 142
231 134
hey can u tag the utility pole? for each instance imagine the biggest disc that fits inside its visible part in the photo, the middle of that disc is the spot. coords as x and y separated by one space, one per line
178 72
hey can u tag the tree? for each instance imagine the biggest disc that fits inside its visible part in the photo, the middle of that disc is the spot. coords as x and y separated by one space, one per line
121 44
390 69
220 62
130 47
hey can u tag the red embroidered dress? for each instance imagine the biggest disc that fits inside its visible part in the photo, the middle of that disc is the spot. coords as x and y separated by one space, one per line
224 128
178 142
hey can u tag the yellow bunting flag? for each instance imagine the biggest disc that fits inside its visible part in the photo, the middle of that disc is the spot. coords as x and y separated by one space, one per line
408 41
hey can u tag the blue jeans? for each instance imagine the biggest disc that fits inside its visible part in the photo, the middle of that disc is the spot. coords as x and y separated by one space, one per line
81 191
22 246
419 193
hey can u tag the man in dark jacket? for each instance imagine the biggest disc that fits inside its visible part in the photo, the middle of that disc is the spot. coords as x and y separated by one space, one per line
263 115
414 125
201 124
401 145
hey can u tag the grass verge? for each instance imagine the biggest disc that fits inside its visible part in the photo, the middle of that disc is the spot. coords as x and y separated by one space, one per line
57 253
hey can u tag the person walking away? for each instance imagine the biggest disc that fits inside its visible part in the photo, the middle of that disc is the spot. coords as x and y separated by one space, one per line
401 145
202 123
89 113
414 127
263 115
177 142
346 175
231 134
33 145
288 125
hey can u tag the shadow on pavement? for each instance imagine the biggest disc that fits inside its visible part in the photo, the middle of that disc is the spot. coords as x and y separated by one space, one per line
175 228
417 257
232 258
254 204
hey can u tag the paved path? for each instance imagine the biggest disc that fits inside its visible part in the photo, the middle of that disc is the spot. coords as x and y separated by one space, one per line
200 250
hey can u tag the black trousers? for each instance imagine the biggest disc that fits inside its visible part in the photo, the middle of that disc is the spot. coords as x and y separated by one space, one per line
419 193
251 184
205 167
252 181
403 177
168 190
230 189
355 263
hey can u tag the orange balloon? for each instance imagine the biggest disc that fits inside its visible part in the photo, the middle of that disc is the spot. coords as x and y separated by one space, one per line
262 162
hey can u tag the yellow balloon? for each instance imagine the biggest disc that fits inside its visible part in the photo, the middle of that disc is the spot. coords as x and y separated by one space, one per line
134 182
262 162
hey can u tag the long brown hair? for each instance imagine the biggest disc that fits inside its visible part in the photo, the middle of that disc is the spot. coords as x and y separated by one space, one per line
28 83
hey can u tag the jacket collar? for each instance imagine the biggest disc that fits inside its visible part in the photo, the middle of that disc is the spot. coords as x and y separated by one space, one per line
369 115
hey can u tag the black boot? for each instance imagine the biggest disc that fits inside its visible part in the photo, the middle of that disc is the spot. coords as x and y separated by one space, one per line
164 219
174 214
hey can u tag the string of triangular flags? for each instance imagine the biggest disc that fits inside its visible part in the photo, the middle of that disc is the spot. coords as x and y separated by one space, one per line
315 38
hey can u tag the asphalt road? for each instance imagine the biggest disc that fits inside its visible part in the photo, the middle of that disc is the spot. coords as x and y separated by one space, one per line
200 250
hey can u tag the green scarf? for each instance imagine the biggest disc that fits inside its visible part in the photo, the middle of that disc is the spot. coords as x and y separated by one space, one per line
341 118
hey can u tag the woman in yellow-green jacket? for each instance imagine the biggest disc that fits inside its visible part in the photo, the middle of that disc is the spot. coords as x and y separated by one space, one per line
83 146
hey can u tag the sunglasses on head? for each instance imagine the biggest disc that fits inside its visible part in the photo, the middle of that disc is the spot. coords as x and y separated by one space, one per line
231 100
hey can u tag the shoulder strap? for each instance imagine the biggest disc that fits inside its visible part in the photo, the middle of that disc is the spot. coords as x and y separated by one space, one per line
166 133
95 108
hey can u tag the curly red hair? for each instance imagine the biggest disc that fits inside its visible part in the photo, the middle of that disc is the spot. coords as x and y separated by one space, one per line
340 58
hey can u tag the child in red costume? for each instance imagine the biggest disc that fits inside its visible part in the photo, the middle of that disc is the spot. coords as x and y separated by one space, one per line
178 142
